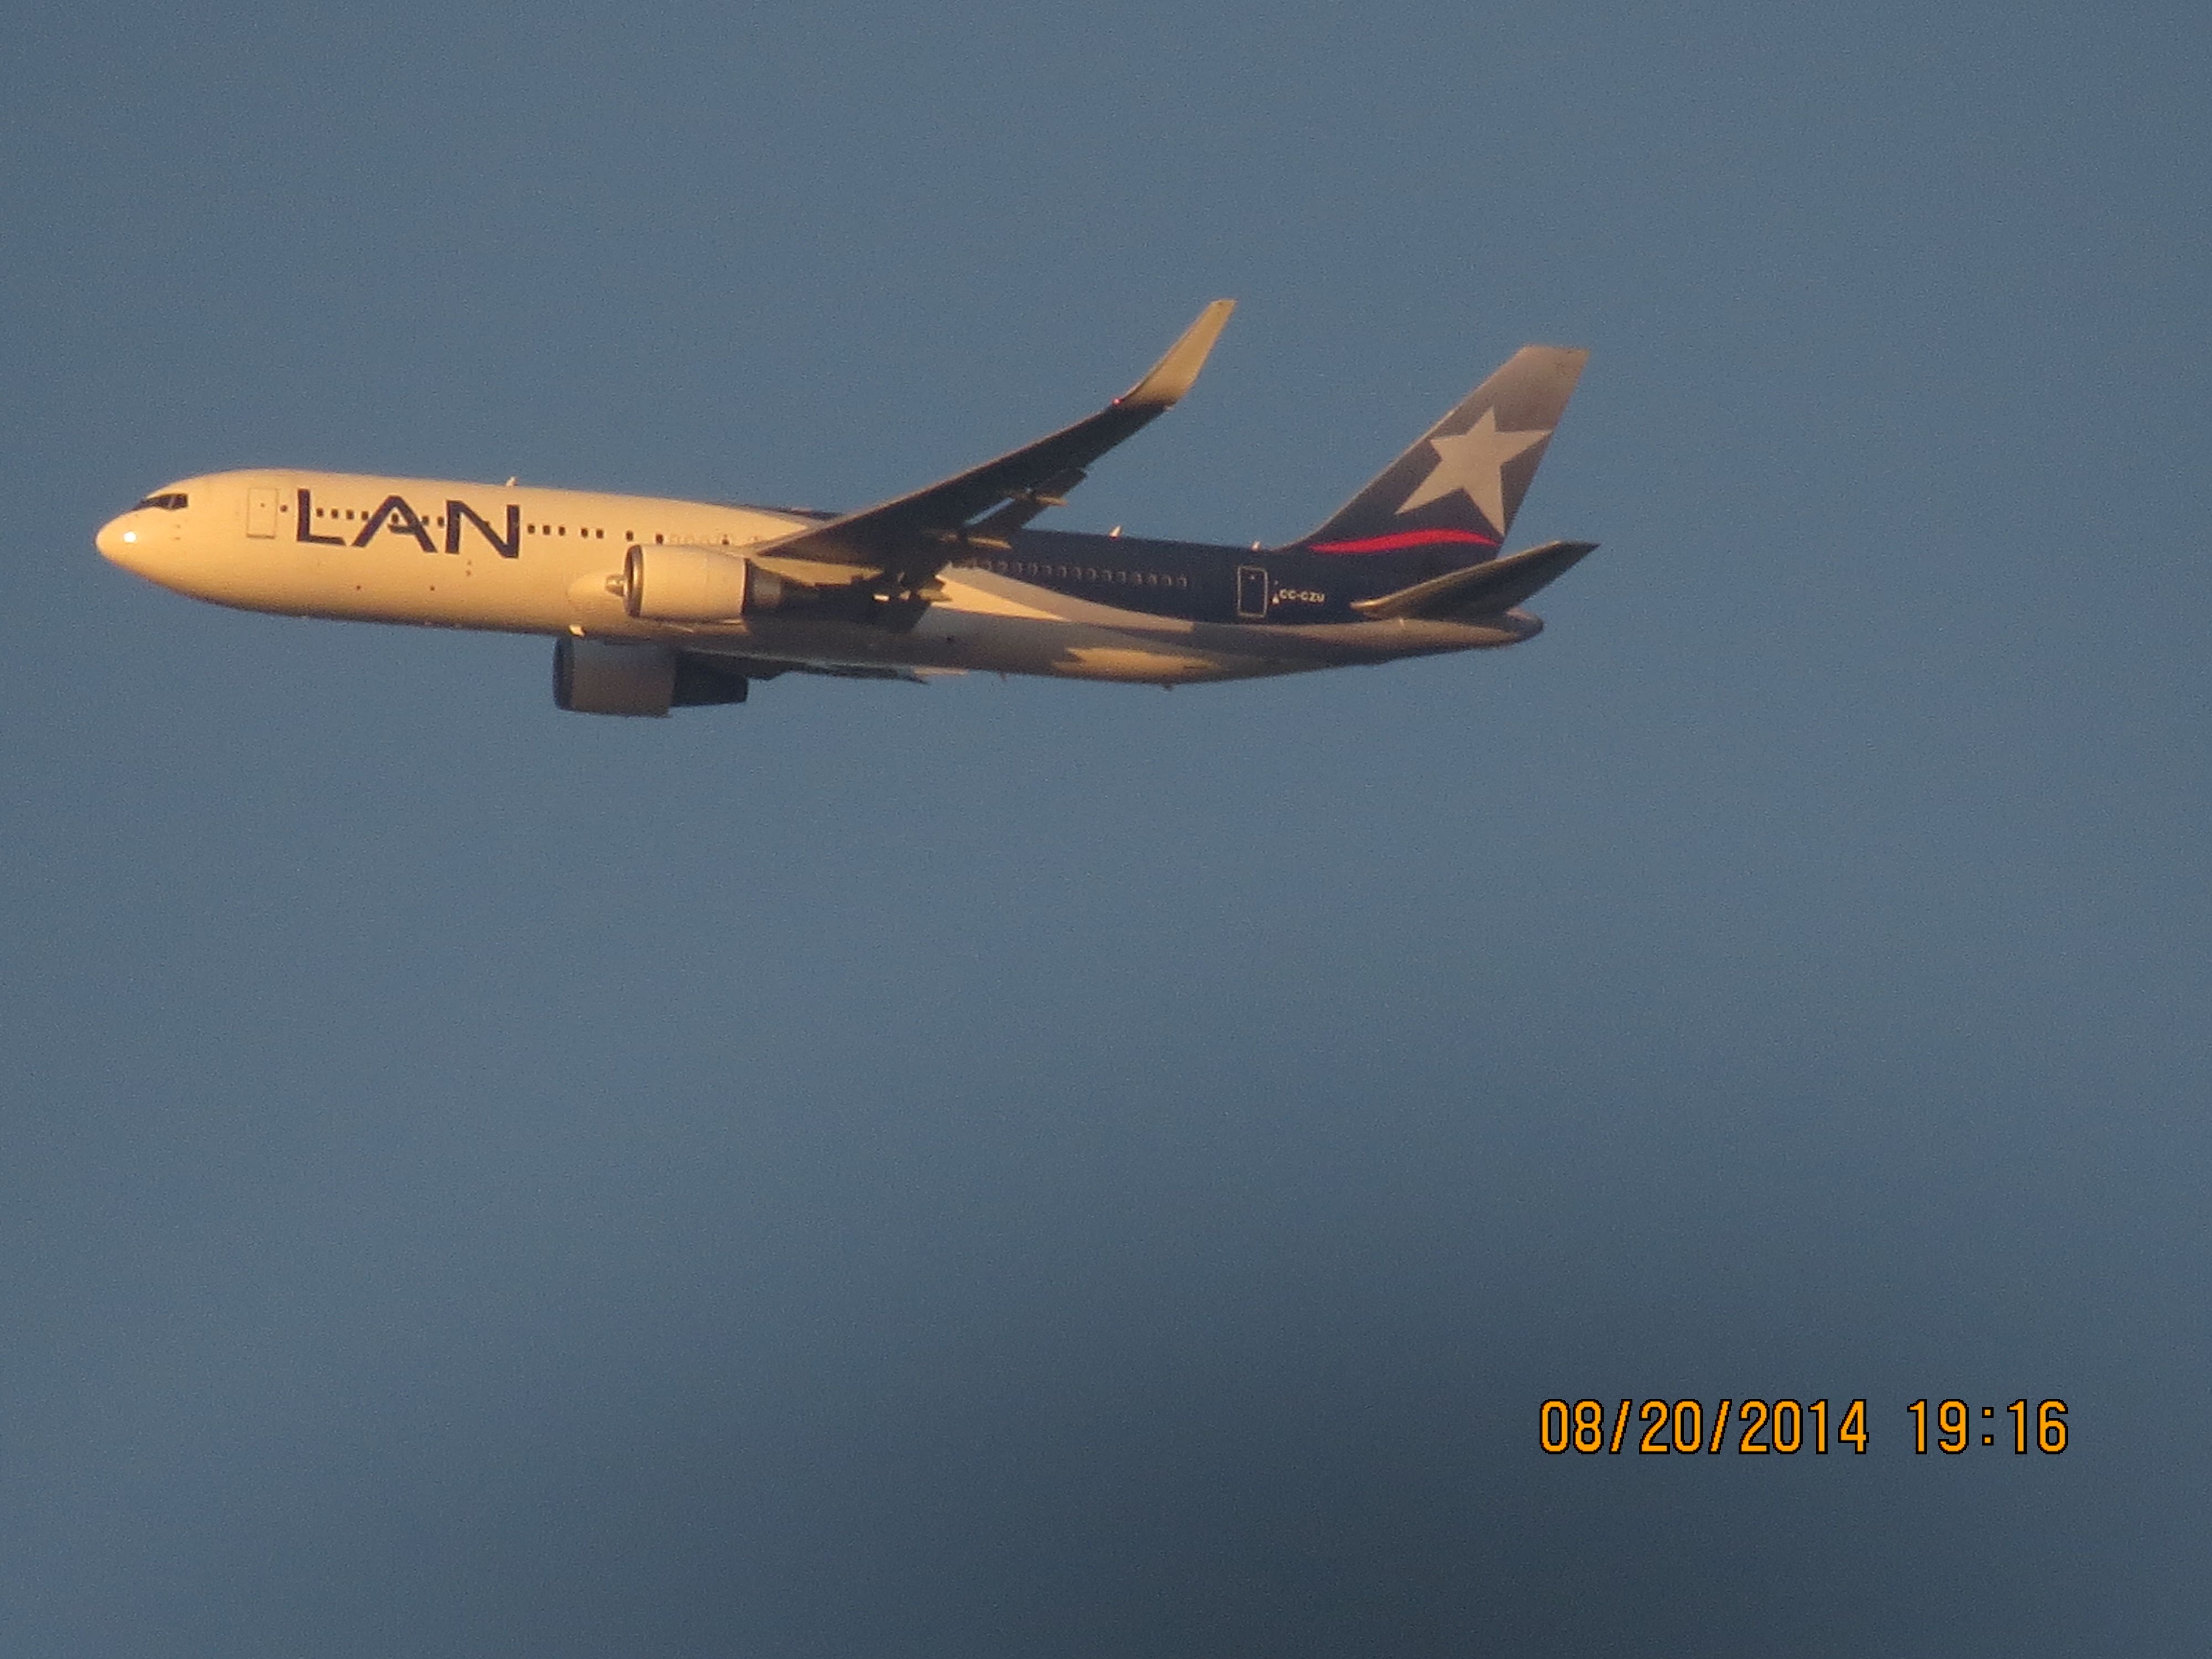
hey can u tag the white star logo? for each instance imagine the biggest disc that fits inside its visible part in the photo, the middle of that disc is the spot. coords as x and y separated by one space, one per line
1473 462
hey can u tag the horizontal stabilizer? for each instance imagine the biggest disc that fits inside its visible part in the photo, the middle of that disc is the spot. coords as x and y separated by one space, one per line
1481 589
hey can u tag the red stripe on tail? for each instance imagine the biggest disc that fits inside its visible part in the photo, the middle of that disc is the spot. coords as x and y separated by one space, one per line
1405 538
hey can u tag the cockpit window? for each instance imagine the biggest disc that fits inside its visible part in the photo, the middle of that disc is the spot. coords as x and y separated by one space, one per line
169 503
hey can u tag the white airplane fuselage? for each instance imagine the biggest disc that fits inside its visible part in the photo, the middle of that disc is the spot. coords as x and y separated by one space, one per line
522 559
657 603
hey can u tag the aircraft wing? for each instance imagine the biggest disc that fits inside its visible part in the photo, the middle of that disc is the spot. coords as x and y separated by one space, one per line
910 539
767 668
1481 589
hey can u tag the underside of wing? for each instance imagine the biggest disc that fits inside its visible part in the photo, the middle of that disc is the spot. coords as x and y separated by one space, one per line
767 668
909 539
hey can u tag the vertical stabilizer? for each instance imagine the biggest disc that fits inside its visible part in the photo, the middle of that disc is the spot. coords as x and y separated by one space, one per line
1456 490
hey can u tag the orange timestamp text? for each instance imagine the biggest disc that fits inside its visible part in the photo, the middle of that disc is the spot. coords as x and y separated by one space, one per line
1771 1427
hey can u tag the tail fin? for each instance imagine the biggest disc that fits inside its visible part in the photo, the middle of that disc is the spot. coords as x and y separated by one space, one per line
1458 488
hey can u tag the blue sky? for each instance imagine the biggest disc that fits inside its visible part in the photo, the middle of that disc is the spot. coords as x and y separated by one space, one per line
1020 1167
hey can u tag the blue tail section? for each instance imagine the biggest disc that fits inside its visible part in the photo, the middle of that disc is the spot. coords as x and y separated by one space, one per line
1454 494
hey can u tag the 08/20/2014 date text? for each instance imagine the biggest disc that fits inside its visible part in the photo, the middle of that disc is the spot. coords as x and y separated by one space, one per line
1771 1427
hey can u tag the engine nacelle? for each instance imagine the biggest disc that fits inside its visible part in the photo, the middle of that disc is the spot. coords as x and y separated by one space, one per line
613 677
696 584
621 676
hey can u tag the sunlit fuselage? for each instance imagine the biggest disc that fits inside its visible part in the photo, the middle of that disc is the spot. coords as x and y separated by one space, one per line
527 560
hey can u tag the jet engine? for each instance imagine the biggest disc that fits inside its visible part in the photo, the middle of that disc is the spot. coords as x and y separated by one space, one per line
696 584
617 677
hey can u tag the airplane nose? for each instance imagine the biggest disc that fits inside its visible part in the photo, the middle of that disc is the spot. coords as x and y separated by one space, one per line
121 541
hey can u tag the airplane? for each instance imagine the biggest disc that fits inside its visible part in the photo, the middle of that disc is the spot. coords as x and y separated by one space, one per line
657 604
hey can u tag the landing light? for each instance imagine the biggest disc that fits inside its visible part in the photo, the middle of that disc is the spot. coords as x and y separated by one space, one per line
130 535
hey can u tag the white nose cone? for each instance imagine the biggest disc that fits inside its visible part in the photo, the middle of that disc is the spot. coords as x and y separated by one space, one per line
121 541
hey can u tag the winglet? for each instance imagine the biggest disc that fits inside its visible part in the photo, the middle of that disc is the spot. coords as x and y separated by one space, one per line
1177 372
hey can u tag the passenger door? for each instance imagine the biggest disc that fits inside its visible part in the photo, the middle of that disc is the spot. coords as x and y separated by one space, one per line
1251 592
